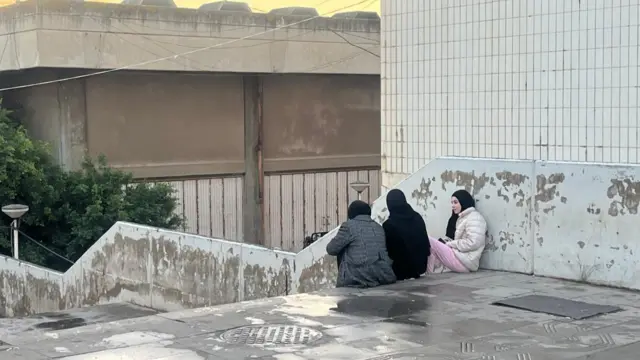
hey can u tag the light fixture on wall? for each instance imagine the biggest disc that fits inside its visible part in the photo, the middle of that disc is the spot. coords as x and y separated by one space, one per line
359 187
15 211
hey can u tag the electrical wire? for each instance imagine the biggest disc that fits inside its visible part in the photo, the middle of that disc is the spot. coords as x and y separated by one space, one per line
174 31
119 35
309 70
266 42
372 41
15 49
44 247
132 31
317 67
321 3
203 67
259 10
35 242
334 62
354 45
4 49
10 240
148 62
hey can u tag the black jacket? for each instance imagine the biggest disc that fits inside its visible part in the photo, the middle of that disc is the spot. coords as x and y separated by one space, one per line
406 238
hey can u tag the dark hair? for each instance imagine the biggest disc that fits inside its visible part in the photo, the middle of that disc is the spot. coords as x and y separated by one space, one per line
357 208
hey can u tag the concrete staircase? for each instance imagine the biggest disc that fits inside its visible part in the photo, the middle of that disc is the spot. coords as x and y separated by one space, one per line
568 220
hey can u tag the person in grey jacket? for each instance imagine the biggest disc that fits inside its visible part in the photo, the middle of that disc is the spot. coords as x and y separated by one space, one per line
361 249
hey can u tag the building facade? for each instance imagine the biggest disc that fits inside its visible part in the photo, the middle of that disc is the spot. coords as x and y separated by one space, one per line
517 79
259 129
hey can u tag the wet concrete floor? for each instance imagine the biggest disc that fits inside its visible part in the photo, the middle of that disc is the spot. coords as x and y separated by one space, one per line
70 319
444 317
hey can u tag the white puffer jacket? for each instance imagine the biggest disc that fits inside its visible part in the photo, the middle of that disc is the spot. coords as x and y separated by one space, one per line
471 235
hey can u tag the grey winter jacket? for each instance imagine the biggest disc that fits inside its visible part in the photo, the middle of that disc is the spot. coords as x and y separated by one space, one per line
361 248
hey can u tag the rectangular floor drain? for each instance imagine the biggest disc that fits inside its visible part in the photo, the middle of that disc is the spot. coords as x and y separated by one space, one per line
576 310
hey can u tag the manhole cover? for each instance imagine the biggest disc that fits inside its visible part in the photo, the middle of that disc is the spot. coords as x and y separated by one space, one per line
271 335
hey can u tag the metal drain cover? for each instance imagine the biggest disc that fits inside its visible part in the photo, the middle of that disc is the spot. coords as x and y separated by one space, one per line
271 335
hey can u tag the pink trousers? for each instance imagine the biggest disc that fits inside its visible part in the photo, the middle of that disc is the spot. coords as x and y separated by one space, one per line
441 254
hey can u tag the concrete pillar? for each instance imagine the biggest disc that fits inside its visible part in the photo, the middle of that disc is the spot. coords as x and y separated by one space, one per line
252 217
55 113
73 122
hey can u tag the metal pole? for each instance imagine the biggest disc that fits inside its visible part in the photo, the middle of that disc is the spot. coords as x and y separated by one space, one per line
359 196
14 225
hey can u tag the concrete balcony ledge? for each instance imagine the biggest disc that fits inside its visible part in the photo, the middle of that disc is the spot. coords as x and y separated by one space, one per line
98 36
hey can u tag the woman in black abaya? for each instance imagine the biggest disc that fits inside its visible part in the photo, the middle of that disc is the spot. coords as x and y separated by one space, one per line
406 237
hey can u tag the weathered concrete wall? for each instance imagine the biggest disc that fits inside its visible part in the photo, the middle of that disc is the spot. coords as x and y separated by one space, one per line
92 35
27 288
503 191
168 124
328 122
587 223
54 113
161 269
567 220
576 221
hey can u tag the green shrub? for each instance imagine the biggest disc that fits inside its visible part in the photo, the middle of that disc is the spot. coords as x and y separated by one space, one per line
69 211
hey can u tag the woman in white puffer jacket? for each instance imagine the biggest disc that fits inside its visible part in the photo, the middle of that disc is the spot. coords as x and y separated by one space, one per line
460 250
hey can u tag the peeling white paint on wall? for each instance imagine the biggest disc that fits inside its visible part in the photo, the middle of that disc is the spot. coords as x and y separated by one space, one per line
576 221
588 212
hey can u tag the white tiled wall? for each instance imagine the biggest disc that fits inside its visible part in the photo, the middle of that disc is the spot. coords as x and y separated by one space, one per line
523 79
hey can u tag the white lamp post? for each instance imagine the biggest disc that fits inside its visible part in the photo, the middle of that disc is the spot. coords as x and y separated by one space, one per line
359 187
15 211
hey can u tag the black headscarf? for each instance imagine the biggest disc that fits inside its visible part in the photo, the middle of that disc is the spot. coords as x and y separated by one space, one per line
397 204
357 208
406 235
466 201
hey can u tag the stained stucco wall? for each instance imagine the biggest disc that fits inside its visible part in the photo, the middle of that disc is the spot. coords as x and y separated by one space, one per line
576 221
160 269
167 125
570 220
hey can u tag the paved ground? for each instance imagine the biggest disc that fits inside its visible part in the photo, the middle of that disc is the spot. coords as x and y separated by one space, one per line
447 316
